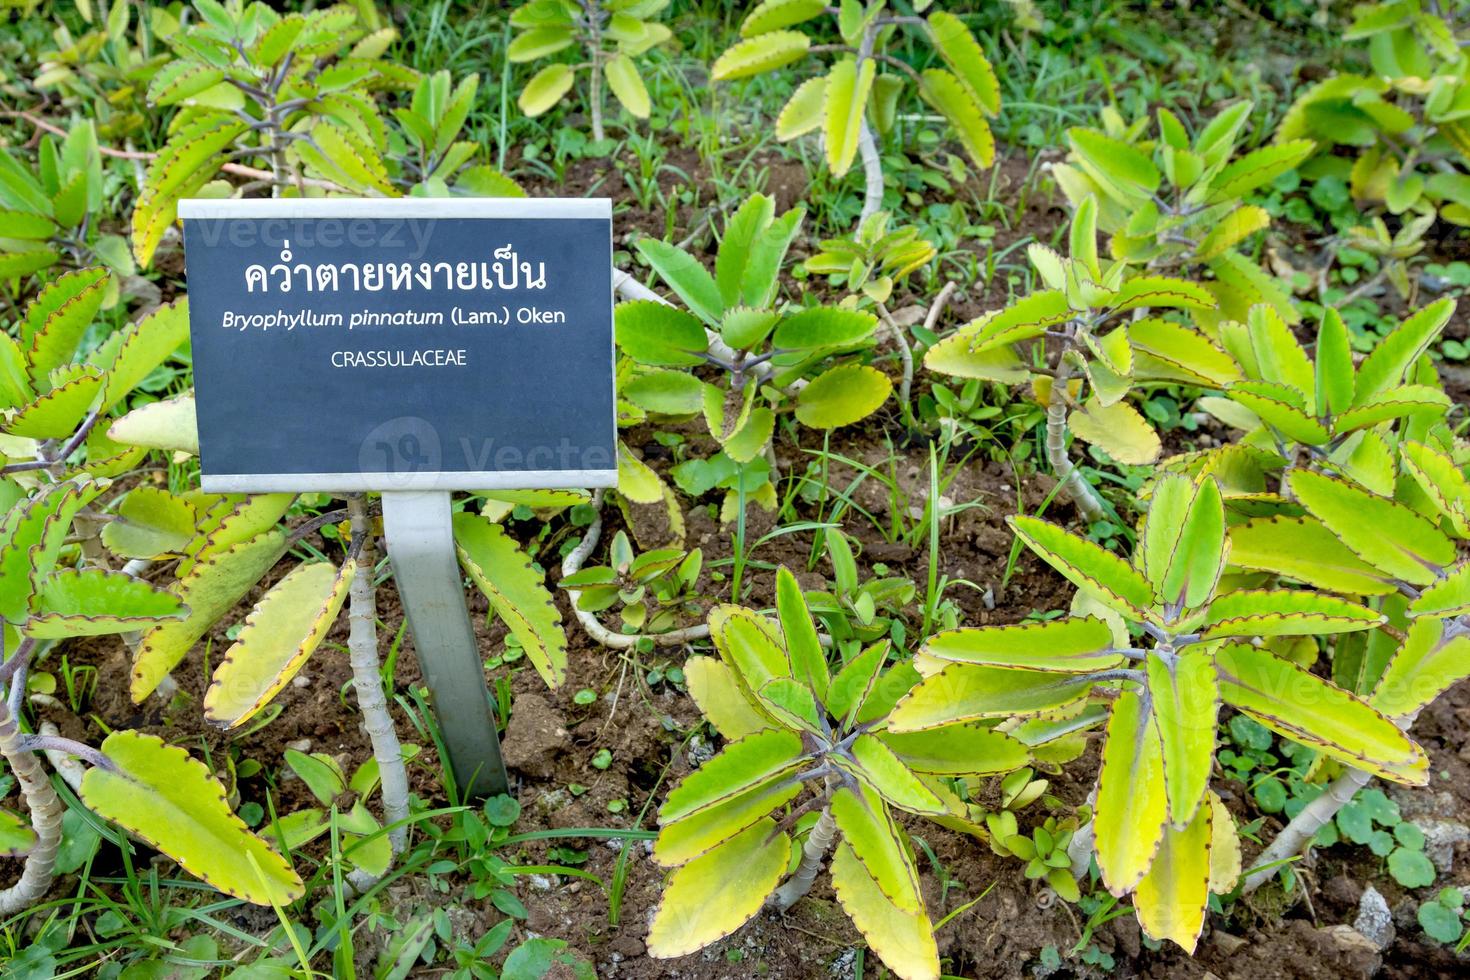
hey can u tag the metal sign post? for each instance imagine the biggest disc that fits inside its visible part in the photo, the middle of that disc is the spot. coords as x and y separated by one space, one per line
421 548
408 347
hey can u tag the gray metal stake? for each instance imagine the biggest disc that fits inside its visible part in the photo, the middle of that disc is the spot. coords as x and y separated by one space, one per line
421 547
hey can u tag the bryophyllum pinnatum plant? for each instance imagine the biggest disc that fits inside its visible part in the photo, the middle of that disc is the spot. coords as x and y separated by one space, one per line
867 80
1094 326
1160 834
294 102
56 582
1176 205
1410 115
806 742
52 215
763 349
608 34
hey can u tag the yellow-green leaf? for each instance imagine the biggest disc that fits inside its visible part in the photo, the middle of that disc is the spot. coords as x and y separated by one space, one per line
173 802
1381 531
1087 566
627 85
741 765
716 893
842 395
762 53
496 563
847 91
546 88
280 634
713 687
967 692
1185 700
904 941
1172 897
1293 702
1077 645
94 601
959 49
804 111
170 425
1118 429
1423 667
1132 807
210 589
876 841
949 95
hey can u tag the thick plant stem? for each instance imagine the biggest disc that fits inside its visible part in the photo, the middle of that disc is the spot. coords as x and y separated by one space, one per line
813 856
367 682
594 48
1076 489
46 810
872 172
1299 833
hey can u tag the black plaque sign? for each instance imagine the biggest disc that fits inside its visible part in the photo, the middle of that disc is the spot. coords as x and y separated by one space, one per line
414 344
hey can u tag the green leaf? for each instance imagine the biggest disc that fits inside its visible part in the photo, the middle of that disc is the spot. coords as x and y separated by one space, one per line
150 522
903 940
792 704
93 601
1386 365
685 276
718 892
749 762
967 692
539 42
1411 868
1281 407
170 425
1425 665
1284 612
655 333
1078 645
1160 291
713 687
637 481
1442 481
31 538
188 161
1380 531
280 634
1335 374
665 392
1087 566
1236 227
1184 544
805 111
808 661
1257 168
822 327
58 318
141 347
1184 699
762 53
1132 808
496 563
957 750
1304 550
748 644
181 80
1123 170
210 588
953 100
773 15
959 49
1301 706
174 803
842 395
56 414
16 835
848 86
887 775
1450 596
869 829
546 88
627 85
741 232
685 839
26 227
